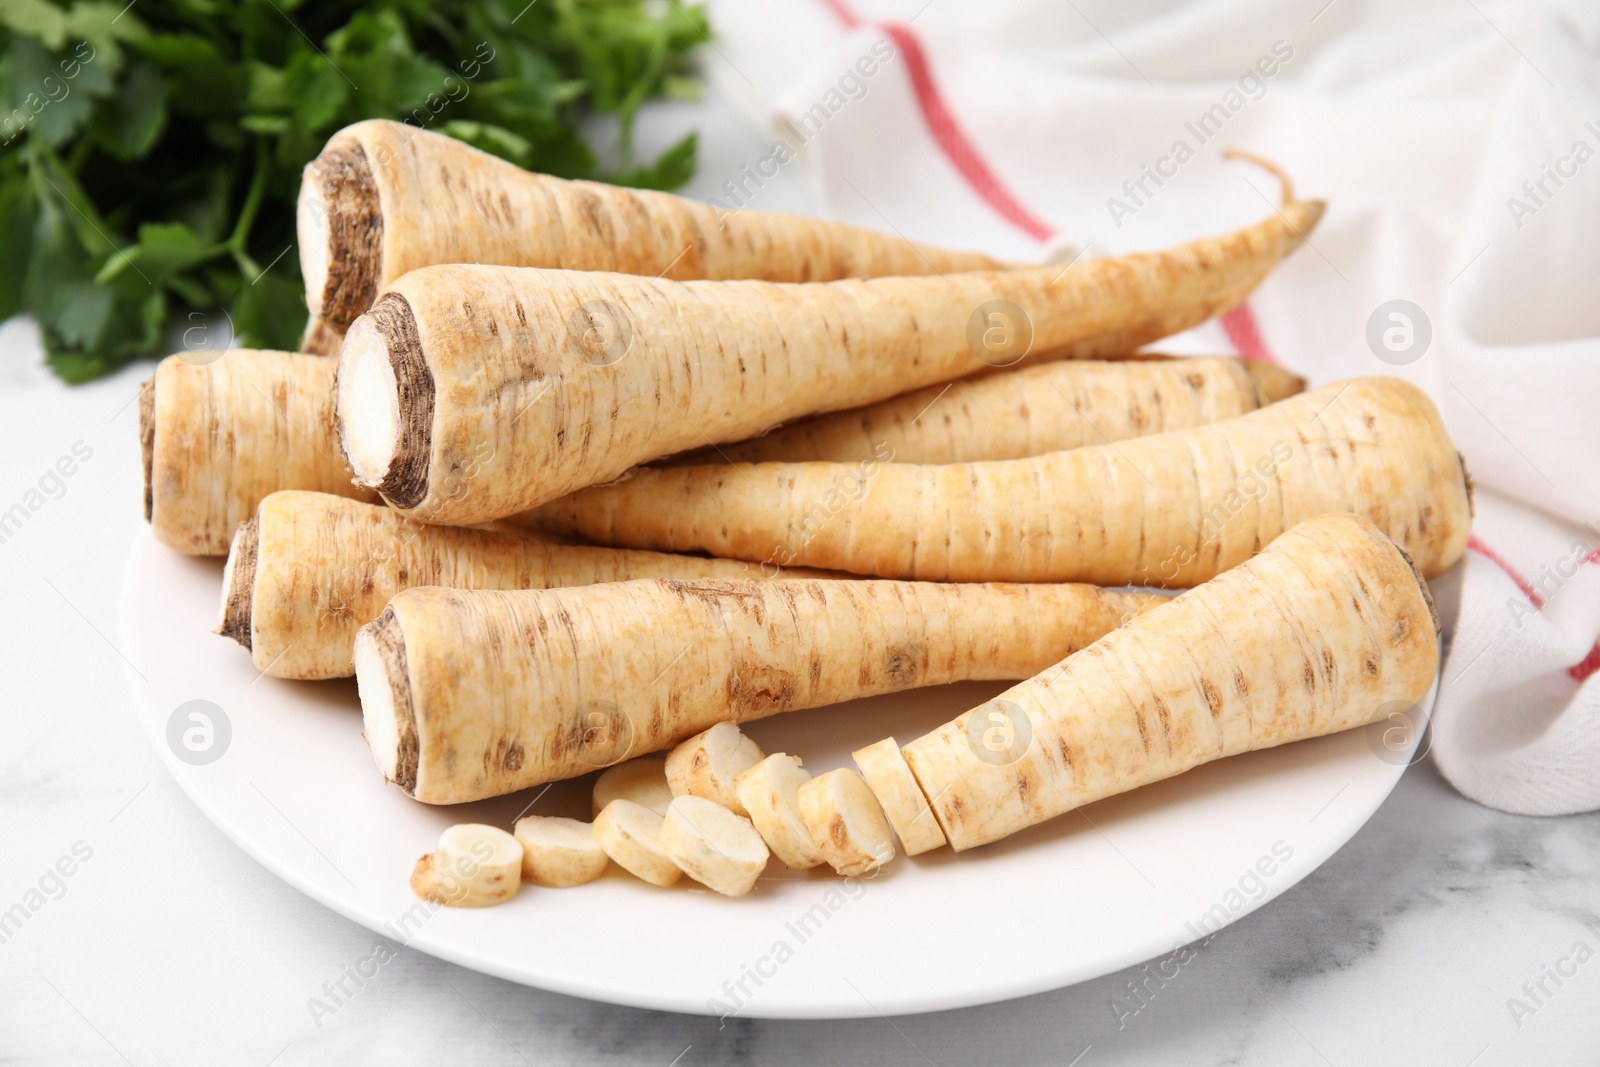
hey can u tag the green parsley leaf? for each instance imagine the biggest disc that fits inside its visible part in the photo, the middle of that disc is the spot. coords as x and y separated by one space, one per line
150 156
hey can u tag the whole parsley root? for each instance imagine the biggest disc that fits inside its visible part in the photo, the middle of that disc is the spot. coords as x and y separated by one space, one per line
1330 627
309 569
559 682
1274 382
221 430
1173 509
1013 414
385 198
520 385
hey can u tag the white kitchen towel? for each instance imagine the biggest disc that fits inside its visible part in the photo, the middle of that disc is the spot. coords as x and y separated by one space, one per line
1458 145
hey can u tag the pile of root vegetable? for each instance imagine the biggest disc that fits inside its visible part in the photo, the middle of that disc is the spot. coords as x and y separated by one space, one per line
598 473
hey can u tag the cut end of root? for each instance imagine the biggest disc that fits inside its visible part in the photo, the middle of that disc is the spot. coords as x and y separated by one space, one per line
339 223
147 442
311 225
388 720
385 403
239 582
368 403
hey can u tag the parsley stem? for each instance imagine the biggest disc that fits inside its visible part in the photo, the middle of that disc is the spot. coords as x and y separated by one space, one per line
80 155
252 200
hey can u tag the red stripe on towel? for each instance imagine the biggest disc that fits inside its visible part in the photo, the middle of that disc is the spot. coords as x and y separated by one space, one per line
1239 324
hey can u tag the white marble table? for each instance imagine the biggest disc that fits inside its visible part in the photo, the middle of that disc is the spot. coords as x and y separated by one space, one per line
169 945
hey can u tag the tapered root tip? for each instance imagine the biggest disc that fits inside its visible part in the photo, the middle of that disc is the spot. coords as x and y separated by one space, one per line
239 582
1309 214
388 720
1286 182
1273 382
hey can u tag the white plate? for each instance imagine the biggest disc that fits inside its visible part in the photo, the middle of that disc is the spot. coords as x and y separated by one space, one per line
1126 880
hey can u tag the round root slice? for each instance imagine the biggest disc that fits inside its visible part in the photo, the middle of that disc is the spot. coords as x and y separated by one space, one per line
846 822
715 847
559 852
770 792
474 866
642 780
630 833
891 781
706 764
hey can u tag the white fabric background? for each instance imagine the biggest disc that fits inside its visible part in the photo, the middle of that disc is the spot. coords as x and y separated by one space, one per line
1417 121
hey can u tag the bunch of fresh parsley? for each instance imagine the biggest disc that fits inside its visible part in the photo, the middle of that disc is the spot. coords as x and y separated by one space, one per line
150 154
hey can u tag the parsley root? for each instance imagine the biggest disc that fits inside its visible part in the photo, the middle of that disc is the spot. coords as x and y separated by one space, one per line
471 393
1328 628
1172 509
1020 413
468 694
310 569
221 430
385 198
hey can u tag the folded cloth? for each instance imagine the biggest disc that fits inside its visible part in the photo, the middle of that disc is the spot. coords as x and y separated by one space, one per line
1458 146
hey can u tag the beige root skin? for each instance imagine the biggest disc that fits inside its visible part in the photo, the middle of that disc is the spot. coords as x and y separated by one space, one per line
1174 509
320 567
1326 629
224 434
883 767
770 792
642 780
707 764
475 866
546 695
631 835
846 822
523 412
1019 413
1273 382
557 853
385 198
714 846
